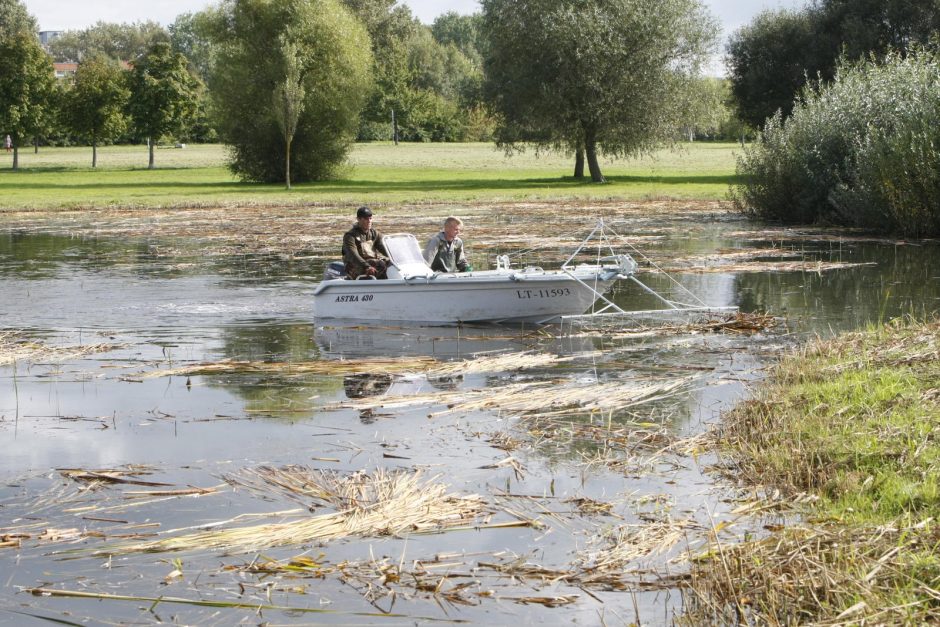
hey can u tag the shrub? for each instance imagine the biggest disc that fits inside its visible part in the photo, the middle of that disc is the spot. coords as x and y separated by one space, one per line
862 151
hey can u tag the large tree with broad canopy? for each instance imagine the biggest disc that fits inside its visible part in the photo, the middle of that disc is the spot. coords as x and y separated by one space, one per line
594 76
328 70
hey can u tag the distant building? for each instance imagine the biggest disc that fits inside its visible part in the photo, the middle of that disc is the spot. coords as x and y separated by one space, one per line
46 37
65 70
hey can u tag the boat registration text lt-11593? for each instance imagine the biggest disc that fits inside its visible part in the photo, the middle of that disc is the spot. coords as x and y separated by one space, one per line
550 292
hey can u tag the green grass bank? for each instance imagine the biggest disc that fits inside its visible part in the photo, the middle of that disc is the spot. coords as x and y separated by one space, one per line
379 173
849 428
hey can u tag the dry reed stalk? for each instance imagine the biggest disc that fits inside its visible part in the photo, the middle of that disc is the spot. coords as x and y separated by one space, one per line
363 366
628 543
738 322
545 398
378 504
16 347
725 255
111 475
906 348
767 266
401 365
505 362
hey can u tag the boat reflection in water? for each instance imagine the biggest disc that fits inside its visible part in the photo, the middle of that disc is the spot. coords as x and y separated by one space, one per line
445 343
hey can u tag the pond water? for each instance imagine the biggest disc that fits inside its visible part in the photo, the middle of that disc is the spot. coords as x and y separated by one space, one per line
112 315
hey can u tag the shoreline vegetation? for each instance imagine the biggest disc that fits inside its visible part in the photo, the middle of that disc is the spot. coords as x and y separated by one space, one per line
375 173
843 441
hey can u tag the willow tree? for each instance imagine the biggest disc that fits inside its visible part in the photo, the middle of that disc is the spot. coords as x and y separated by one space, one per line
602 76
333 59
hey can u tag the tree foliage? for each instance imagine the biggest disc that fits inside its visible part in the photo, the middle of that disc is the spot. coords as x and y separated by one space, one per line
27 81
164 94
431 85
768 61
335 61
190 36
94 105
15 19
123 42
289 99
772 59
463 31
603 75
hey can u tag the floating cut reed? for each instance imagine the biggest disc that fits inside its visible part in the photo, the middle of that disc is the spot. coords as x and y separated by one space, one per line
377 504
544 398
397 365
360 366
15 347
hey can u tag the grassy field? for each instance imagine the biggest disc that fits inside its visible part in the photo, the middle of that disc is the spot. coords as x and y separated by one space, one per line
849 428
376 173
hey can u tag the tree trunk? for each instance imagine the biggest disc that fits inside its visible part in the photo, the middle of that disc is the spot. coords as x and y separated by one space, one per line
394 128
16 157
590 148
94 153
150 162
287 165
579 163
35 145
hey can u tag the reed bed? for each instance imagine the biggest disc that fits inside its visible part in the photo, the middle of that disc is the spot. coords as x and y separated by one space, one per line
17 347
301 233
791 577
846 429
378 504
543 398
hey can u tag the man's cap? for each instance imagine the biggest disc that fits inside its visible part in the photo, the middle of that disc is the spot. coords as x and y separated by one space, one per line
364 212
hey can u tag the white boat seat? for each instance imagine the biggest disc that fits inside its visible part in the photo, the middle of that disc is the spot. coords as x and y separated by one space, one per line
406 255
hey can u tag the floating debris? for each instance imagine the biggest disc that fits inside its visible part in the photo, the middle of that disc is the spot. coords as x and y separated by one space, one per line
378 504
16 346
543 398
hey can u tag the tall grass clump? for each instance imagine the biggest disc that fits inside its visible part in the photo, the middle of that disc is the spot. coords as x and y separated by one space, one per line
862 151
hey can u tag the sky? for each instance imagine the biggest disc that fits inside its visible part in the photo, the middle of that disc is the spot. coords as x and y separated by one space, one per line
74 14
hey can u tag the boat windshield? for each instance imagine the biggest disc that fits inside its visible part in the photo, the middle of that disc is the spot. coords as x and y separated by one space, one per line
403 249
407 257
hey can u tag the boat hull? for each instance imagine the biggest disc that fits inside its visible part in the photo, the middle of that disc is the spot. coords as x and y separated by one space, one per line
472 297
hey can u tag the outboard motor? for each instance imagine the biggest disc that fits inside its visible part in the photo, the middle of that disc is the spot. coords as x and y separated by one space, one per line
334 270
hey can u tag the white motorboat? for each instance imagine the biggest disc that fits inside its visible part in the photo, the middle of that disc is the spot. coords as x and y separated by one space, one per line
415 293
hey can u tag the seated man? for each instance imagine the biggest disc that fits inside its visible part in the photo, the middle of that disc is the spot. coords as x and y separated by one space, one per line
364 252
444 252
